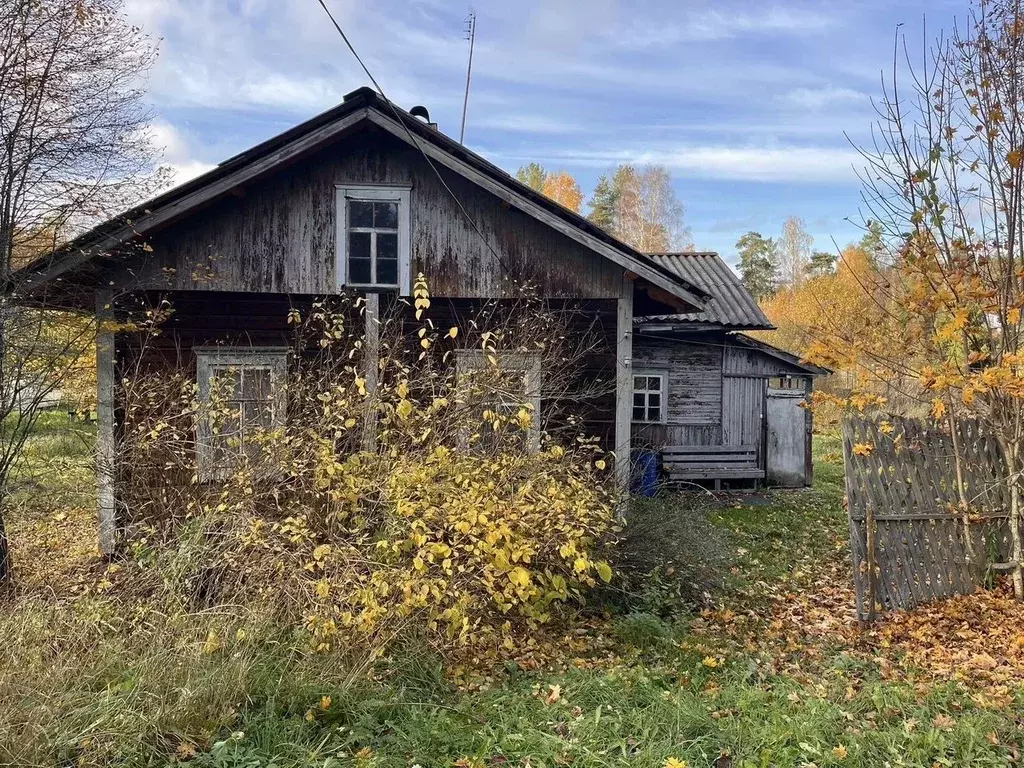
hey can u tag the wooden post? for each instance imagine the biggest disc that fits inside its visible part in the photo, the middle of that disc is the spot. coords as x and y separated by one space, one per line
869 556
371 352
105 446
624 385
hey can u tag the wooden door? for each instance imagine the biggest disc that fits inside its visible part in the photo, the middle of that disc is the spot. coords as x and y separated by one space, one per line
785 443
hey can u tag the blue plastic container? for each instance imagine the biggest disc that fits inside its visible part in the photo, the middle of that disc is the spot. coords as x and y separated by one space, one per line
645 474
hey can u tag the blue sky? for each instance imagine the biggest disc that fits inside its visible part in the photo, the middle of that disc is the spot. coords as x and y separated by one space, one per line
748 104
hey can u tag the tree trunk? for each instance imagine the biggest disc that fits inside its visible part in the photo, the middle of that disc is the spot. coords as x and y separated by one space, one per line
1012 451
6 562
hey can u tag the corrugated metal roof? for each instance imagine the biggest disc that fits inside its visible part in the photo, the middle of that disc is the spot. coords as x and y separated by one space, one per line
730 305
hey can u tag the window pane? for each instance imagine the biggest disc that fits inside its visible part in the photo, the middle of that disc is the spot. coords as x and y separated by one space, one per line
385 215
257 414
360 214
359 245
654 414
359 271
256 384
654 382
654 400
387 246
226 382
387 271
638 400
639 382
638 414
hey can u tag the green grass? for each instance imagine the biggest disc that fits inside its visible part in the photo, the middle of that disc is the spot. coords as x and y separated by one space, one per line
142 690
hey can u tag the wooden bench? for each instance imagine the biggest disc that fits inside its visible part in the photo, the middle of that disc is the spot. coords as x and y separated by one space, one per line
711 462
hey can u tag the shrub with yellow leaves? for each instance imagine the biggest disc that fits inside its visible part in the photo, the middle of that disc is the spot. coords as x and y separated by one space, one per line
426 491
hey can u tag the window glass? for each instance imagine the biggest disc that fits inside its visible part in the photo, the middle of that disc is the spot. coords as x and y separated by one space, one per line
647 394
506 399
360 214
240 393
373 252
385 215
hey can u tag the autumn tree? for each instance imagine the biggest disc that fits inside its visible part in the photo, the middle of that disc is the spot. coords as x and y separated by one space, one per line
75 149
560 186
944 190
794 248
564 189
640 207
758 264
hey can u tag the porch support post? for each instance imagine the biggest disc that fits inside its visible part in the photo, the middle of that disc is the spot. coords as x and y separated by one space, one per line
105 446
371 356
624 385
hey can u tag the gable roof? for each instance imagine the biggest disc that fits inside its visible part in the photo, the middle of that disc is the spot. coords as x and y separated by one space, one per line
360 106
731 305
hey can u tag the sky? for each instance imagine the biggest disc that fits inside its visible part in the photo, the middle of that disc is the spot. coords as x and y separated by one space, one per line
756 107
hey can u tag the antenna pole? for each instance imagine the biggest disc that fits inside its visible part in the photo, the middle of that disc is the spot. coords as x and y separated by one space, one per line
471 36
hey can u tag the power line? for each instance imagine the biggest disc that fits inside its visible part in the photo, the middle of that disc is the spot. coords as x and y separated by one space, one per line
412 137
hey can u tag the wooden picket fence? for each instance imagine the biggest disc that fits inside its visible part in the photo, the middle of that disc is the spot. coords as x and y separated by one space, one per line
913 538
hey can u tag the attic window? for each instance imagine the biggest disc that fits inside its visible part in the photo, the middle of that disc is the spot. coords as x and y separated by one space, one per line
373 238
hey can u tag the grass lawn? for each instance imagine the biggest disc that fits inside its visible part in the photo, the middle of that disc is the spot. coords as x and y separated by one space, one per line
774 671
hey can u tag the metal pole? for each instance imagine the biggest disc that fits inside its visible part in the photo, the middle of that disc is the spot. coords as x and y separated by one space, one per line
471 32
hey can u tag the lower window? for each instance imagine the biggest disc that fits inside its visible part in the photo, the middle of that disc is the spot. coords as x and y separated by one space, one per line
504 390
242 397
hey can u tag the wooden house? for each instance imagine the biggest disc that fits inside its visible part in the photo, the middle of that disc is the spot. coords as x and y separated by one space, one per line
717 404
361 198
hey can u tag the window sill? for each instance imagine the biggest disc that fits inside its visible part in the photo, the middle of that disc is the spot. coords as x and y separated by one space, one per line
371 287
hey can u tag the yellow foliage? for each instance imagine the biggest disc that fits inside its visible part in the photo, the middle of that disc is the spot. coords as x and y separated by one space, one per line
474 540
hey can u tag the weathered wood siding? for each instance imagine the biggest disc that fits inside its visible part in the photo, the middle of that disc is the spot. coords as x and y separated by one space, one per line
694 370
578 399
278 235
743 411
743 361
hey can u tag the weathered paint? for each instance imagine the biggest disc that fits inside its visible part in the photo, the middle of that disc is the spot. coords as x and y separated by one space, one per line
624 384
785 438
278 235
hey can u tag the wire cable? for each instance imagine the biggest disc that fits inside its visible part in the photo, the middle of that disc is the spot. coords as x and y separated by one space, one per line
412 138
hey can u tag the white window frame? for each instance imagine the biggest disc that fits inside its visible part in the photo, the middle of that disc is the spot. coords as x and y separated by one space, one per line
402 195
663 392
208 359
527 363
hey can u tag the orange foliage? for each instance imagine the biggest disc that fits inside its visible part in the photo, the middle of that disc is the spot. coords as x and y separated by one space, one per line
564 189
823 309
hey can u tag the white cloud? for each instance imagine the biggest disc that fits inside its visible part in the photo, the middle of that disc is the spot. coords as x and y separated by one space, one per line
802 165
176 153
818 99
